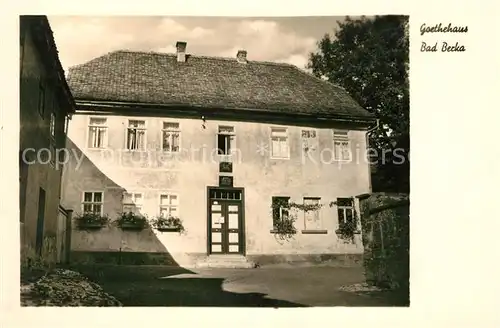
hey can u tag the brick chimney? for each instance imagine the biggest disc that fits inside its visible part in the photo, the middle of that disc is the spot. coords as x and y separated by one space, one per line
181 51
241 56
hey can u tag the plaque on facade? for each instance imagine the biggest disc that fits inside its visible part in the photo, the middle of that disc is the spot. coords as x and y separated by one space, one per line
226 167
225 181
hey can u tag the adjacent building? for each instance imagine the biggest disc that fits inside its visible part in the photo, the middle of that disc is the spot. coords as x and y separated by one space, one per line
45 107
219 143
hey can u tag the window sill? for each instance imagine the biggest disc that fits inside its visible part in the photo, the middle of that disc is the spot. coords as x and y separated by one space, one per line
276 231
314 232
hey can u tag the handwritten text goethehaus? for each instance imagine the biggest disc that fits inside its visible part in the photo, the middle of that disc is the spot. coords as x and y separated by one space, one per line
445 46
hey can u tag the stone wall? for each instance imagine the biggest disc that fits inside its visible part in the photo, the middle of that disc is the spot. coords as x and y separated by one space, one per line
386 231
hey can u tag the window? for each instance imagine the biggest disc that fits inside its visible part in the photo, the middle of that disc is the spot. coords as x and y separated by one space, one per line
52 125
97 132
169 205
345 210
92 202
52 154
279 143
312 218
280 210
41 99
66 124
308 139
136 135
225 140
132 202
171 137
341 146
52 141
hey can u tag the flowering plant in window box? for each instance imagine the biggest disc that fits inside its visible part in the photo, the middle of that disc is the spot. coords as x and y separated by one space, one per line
90 220
132 221
170 223
347 230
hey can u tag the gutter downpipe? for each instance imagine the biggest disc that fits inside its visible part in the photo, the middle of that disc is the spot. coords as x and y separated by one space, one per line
367 135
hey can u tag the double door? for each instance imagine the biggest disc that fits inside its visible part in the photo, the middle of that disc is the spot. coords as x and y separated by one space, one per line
226 235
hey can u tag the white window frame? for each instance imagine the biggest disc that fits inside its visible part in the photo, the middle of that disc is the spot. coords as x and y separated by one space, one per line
281 129
97 126
345 209
281 209
341 137
315 212
137 206
93 202
169 206
171 130
145 133
229 156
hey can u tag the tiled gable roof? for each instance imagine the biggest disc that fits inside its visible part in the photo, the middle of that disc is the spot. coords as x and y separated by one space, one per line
210 82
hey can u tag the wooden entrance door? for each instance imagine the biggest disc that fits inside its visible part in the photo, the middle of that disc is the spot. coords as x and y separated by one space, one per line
225 221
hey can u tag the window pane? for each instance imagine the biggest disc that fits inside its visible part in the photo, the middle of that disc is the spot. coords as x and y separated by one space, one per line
340 212
344 202
97 208
97 121
173 211
164 200
87 208
349 217
175 142
221 144
226 129
166 141
87 197
170 126
275 147
92 137
131 142
164 212
278 133
283 148
136 124
173 200
138 199
101 136
140 140
127 198
97 197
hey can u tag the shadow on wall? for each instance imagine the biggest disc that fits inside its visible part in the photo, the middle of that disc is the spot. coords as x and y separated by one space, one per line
156 286
101 238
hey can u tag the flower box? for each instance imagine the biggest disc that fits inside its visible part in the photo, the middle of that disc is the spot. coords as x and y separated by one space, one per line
132 221
91 221
167 224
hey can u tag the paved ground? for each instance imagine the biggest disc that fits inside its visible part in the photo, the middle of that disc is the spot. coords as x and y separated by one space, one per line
261 287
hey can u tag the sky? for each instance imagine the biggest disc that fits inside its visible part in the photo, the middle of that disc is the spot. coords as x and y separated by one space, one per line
283 39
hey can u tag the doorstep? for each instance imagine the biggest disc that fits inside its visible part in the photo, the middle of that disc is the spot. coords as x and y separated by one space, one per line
225 261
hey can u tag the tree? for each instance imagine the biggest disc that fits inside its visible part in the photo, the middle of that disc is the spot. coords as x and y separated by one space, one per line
369 58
